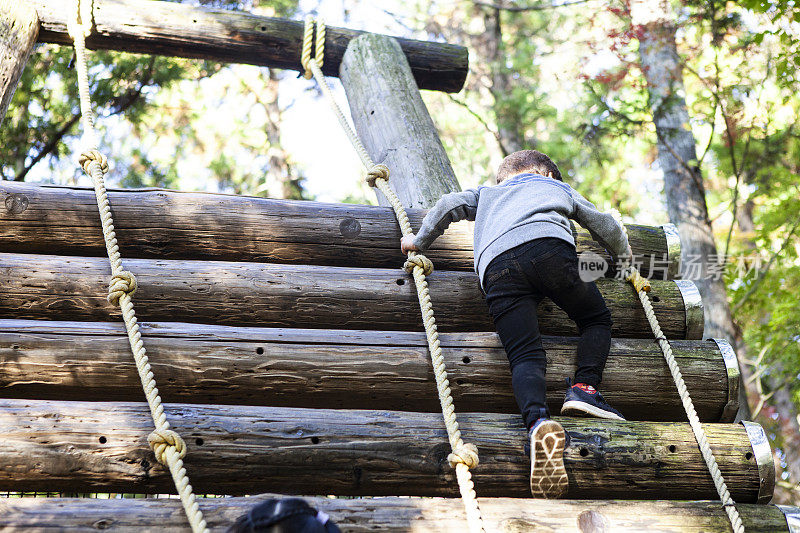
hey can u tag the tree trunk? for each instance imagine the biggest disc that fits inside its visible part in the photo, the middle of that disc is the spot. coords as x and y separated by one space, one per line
686 203
509 121
392 514
393 123
338 369
19 28
260 294
177 225
102 447
677 159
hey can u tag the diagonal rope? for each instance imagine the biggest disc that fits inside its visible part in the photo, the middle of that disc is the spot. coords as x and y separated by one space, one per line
463 455
168 446
642 287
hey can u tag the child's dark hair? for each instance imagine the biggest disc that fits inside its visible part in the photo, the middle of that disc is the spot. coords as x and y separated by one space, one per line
527 161
288 515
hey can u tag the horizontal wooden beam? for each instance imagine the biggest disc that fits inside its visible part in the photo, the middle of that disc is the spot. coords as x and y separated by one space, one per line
102 447
260 294
392 514
201 363
174 29
177 225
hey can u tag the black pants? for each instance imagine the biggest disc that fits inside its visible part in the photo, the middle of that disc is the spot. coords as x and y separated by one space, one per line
515 282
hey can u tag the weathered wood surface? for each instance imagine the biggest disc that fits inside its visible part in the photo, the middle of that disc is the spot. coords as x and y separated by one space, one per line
166 28
102 447
19 27
260 294
167 224
393 514
334 368
393 123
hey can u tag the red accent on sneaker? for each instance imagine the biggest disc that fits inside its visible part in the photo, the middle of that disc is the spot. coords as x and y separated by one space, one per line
586 388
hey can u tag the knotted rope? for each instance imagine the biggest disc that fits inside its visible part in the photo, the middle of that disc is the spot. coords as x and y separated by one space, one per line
168 446
463 456
642 287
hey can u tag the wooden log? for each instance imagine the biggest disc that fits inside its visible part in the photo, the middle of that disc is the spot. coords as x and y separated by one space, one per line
341 369
166 224
393 123
338 369
393 514
102 447
166 28
19 27
259 294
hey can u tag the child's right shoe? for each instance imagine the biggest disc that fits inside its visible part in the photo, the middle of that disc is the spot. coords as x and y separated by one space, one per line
548 475
585 400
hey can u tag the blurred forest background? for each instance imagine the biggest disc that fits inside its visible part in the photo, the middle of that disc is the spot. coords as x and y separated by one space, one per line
585 81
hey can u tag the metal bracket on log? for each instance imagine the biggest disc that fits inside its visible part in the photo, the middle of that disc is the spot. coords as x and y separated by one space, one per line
792 515
734 377
693 304
762 453
673 239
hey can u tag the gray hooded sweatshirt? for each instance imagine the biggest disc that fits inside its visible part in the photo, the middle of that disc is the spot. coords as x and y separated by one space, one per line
520 209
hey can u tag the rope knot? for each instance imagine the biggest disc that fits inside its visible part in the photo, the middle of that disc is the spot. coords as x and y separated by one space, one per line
122 283
159 440
421 261
375 172
308 40
466 454
93 156
639 283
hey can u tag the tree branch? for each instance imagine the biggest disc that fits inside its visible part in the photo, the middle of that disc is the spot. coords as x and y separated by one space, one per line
120 104
49 147
480 119
763 274
519 9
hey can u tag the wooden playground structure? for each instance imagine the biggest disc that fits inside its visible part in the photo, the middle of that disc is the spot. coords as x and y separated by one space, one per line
288 343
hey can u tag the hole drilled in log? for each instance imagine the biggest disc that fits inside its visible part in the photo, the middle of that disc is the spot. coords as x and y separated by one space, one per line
672 448
314 440
263 28
103 440
401 281
466 360
748 456
260 350
460 382
584 452
656 299
199 441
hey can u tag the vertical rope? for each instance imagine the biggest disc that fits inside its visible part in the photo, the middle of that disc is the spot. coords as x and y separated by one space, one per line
463 455
168 446
642 287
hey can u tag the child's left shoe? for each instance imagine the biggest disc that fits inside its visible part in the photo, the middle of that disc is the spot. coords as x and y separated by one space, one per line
548 475
585 400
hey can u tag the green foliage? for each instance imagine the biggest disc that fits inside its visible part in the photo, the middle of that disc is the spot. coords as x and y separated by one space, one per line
148 142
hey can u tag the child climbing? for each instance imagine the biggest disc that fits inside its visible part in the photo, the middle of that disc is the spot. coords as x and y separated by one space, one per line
525 251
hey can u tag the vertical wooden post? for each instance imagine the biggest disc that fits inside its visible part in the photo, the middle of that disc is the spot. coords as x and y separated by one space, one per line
393 122
19 27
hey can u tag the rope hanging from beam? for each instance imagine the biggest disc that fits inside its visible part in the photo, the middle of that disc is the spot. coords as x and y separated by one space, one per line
642 286
168 446
463 455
